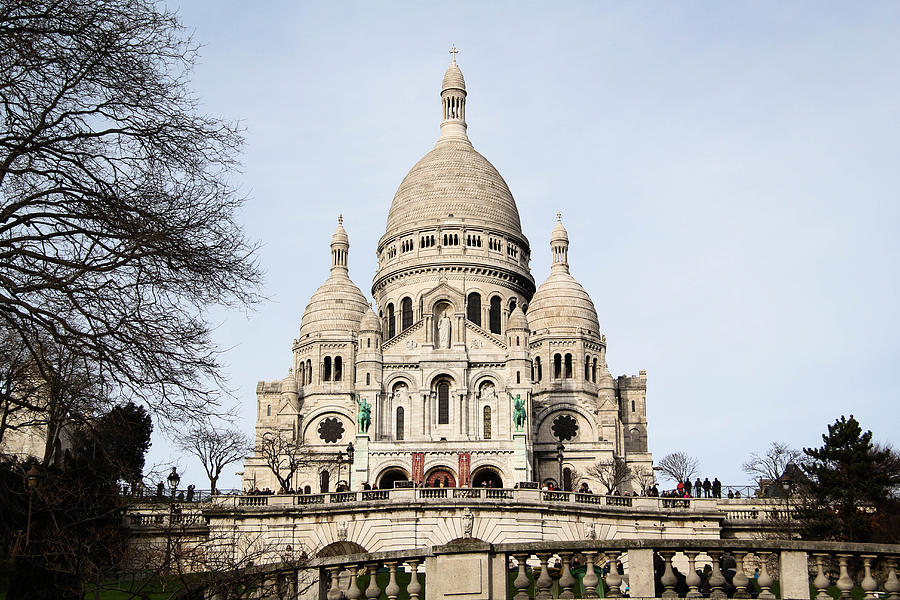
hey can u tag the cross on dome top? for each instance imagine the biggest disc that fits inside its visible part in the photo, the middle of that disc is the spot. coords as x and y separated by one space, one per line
559 216
453 52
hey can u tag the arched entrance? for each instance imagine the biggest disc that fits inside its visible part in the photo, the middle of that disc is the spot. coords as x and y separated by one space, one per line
487 477
324 479
390 476
440 477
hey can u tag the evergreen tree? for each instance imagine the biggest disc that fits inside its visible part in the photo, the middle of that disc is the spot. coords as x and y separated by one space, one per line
850 494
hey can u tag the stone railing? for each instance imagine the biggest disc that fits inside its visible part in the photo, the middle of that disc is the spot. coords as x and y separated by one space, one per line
718 569
751 509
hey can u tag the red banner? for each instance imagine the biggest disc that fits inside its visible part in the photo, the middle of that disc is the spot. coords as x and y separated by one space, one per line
465 460
418 467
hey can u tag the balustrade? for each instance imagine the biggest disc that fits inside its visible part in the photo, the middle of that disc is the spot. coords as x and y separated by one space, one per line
253 501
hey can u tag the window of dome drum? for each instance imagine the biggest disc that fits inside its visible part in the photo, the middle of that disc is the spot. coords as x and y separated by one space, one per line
494 316
443 393
406 313
326 369
473 308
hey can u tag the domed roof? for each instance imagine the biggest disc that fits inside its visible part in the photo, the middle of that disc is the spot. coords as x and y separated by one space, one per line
454 179
561 303
370 321
289 383
517 319
338 305
453 78
559 233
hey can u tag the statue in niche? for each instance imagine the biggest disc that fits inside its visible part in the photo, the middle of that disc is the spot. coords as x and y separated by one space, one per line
364 419
444 331
488 392
518 411
400 392
468 522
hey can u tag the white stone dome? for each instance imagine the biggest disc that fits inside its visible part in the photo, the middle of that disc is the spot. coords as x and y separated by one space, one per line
370 321
517 319
453 182
453 78
289 383
562 304
338 305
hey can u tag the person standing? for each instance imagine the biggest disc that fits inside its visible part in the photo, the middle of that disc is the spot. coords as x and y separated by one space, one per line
698 488
717 488
707 487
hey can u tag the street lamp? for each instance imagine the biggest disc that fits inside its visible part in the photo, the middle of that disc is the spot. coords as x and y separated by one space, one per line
174 478
559 459
350 451
31 480
340 464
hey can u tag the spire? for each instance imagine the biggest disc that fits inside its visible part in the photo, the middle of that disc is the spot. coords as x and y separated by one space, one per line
559 245
453 101
340 245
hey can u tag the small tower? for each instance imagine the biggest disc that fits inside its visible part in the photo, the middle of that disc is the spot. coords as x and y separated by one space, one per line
453 101
340 246
559 244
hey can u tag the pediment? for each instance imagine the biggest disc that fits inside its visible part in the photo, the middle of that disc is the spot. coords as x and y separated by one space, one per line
477 339
443 291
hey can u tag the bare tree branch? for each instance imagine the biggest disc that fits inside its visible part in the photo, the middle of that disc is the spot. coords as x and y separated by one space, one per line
772 463
216 448
611 473
678 466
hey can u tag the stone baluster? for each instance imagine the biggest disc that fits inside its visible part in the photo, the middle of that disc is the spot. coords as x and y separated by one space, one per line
765 580
613 578
740 579
373 591
334 593
716 579
691 578
892 584
392 590
844 582
353 592
521 582
821 581
544 582
590 580
566 579
668 578
414 589
868 583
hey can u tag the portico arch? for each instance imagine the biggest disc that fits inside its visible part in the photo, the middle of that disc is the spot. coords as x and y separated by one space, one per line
487 474
440 476
389 476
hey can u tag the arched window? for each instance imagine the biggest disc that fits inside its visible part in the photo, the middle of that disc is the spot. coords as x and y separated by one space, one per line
518 377
487 422
307 489
568 366
368 342
587 368
368 379
494 315
632 406
594 372
406 316
567 479
309 372
268 410
473 308
399 429
302 373
537 367
512 304
324 477
338 368
326 371
557 366
443 393
392 324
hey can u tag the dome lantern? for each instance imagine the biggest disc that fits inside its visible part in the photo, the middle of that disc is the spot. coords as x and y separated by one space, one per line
453 101
340 245
559 245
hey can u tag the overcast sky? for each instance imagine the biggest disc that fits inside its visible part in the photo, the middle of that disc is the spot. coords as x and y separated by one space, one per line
728 174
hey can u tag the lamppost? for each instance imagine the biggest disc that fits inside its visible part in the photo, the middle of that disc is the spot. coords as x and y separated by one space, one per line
174 478
350 451
559 459
340 464
31 479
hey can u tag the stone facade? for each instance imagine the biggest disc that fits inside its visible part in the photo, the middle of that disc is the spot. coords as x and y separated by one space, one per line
460 331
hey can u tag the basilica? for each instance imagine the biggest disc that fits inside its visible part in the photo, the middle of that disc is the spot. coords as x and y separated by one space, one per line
462 373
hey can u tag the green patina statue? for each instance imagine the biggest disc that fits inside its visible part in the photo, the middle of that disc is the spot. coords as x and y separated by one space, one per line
364 418
518 411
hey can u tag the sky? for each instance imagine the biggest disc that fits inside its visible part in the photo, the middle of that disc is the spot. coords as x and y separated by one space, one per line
728 174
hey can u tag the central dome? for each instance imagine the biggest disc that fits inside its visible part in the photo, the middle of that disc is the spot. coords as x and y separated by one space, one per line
454 181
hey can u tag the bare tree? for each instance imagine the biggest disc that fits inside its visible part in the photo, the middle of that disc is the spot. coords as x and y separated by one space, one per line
215 448
611 473
117 209
285 457
678 466
772 463
644 478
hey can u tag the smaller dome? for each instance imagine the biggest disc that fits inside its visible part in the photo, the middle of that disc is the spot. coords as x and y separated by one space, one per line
340 234
289 383
561 304
336 307
517 319
370 321
453 79
559 233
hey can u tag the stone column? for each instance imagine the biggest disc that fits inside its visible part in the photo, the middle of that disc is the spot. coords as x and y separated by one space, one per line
640 569
794 575
360 461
